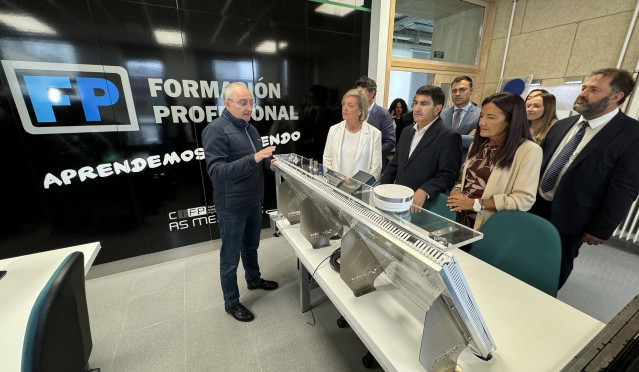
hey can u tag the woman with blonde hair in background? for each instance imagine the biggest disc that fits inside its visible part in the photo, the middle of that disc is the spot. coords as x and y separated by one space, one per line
541 113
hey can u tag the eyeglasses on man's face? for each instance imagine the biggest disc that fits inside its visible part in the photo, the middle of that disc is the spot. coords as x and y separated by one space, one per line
244 102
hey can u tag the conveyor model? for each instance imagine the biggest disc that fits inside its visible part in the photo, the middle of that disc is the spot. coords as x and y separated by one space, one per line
411 248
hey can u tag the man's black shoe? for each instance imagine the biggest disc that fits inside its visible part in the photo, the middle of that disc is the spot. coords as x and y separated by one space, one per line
239 312
267 285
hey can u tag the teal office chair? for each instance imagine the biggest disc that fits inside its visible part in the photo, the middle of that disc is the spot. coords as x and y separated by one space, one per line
58 335
438 205
523 245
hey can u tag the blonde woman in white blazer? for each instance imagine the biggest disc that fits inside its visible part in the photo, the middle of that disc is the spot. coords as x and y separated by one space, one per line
503 163
353 145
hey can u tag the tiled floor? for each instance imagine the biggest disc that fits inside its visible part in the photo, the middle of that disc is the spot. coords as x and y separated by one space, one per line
604 280
170 316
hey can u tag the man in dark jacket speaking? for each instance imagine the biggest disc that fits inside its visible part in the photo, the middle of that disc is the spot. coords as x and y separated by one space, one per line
236 161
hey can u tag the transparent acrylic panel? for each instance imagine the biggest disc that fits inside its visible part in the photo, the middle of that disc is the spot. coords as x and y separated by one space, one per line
418 280
438 30
422 229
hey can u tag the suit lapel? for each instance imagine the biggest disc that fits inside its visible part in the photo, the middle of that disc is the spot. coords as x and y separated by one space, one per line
374 115
428 137
466 122
495 174
466 118
363 140
604 136
339 133
446 113
407 138
554 139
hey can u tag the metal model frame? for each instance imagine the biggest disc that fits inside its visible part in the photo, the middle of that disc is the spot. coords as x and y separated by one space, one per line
416 261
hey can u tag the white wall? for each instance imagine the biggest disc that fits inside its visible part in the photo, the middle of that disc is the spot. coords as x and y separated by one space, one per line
380 19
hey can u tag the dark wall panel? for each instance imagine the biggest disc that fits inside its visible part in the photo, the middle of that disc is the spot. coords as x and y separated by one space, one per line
336 19
280 12
82 211
159 193
237 8
91 173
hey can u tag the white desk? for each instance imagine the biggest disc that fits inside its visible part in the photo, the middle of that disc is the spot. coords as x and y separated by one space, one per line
26 277
533 331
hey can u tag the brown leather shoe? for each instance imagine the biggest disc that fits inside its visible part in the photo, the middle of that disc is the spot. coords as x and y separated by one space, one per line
267 285
239 312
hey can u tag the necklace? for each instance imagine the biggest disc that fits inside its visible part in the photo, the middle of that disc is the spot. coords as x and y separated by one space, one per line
533 134
535 131
354 131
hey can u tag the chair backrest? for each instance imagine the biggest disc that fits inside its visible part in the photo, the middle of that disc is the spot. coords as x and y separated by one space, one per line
58 337
523 245
438 205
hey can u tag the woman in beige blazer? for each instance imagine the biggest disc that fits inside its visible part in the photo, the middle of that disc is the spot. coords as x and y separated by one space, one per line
502 167
353 145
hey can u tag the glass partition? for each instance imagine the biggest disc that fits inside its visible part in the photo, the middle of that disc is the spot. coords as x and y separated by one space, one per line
404 84
438 30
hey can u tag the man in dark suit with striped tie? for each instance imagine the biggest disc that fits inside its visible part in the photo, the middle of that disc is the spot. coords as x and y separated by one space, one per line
590 168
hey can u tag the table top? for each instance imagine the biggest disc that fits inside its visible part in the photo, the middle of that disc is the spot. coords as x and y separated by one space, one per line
532 330
19 289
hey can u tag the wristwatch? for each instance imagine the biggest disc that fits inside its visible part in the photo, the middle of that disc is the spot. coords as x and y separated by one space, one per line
477 205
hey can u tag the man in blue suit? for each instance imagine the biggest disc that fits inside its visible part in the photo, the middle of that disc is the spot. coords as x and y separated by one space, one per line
378 117
589 174
463 116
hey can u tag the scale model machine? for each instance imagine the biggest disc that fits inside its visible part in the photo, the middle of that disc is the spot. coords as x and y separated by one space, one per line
410 247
